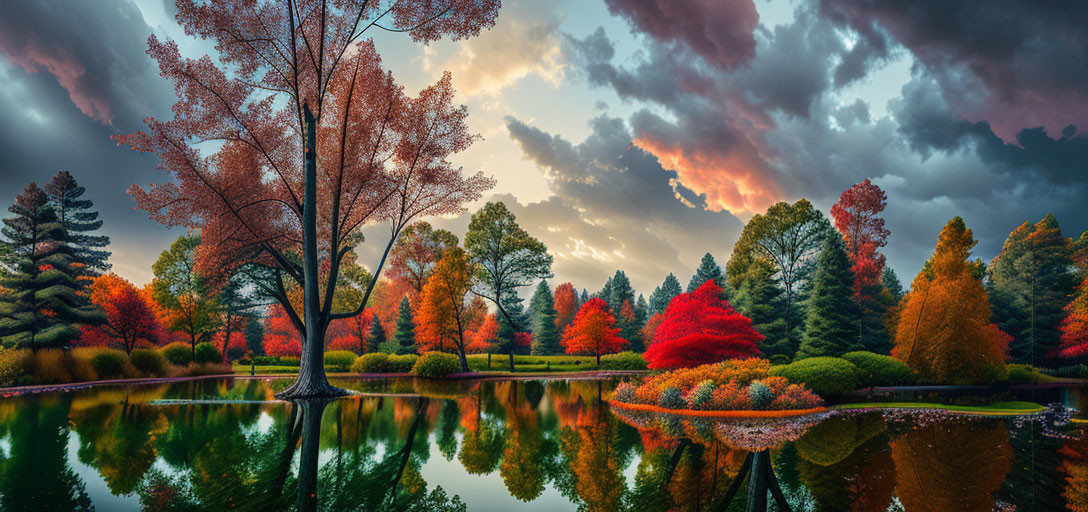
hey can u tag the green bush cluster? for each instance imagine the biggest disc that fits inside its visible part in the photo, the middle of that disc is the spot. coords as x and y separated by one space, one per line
339 360
108 363
150 362
178 353
435 365
375 362
759 395
206 353
699 395
1022 374
404 363
880 370
671 398
827 376
623 361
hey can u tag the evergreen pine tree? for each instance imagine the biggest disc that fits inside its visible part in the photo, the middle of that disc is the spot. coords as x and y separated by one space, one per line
545 333
642 310
42 307
1030 283
606 292
505 340
254 334
659 300
79 223
405 336
708 269
619 291
831 316
584 298
759 298
891 283
377 333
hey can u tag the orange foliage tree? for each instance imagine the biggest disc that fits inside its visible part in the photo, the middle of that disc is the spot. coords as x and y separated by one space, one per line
566 305
944 330
444 312
298 87
593 331
1074 327
483 339
130 319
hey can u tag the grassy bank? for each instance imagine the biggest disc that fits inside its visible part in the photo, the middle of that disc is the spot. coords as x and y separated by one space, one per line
994 409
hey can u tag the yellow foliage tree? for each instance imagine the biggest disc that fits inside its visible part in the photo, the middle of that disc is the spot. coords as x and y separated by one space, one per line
944 331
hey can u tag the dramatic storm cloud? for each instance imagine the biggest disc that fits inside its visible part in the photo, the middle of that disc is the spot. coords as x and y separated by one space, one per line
640 134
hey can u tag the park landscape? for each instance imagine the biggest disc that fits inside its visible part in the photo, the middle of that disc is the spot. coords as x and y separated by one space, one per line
315 339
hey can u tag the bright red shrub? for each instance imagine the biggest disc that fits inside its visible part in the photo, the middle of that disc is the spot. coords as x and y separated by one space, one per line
280 336
701 328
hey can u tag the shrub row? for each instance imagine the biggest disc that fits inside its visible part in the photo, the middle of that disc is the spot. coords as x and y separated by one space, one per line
56 366
434 365
623 361
730 385
380 362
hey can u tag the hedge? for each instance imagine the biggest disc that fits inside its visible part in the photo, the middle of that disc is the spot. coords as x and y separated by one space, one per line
403 363
827 376
880 370
436 364
108 363
206 353
623 361
1022 374
178 353
376 362
339 360
149 361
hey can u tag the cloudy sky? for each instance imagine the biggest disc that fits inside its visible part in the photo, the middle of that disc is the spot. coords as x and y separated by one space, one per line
640 134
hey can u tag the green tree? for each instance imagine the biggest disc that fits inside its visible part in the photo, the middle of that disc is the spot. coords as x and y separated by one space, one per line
42 306
708 269
405 335
183 293
506 257
80 223
254 334
758 298
788 236
891 283
377 332
662 295
831 321
545 333
1030 282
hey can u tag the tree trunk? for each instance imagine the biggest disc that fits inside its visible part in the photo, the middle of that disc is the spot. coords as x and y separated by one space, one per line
307 463
311 381
463 359
757 482
511 360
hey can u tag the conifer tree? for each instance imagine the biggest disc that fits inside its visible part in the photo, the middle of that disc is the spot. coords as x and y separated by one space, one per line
507 341
42 307
377 333
708 269
405 336
545 333
1030 283
584 298
891 283
831 321
79 222
757 297
659 299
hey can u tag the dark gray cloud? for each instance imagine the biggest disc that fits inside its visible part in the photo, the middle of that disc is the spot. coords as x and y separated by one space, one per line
75 73
1011 63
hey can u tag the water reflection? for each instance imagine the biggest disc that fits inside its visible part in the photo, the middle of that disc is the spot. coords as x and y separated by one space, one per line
424 446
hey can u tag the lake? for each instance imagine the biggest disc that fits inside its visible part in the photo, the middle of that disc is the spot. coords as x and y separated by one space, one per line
550 446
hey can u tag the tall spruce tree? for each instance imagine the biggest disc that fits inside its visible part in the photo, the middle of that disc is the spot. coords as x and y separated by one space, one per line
545 333
377 333
831 319
506 340
708 269
584 297
254 333
759 298
1030 283
662 295
405 335
891 283
42 307
79 222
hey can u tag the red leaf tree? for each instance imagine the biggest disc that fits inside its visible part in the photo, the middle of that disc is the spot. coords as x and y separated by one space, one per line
700 328
856 217
593 331
296 88
566 305
130 319
280 336
1074 327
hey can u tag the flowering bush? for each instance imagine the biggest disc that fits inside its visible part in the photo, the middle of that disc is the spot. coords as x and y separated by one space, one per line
742 385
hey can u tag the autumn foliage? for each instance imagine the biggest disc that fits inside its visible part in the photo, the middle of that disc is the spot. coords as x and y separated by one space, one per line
593 331
281 338
944 331
130 317
566 305
863 231
700 328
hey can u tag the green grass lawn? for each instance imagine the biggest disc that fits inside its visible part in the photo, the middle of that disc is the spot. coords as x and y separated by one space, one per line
997 409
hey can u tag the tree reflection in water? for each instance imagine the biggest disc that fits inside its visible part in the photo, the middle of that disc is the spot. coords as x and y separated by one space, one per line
556 444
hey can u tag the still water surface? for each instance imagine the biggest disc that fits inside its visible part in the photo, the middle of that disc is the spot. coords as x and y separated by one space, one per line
510 445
